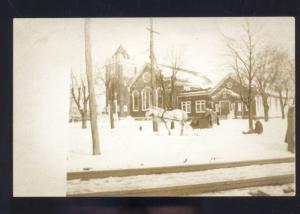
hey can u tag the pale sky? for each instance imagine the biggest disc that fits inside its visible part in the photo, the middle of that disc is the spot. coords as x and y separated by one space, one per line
199 39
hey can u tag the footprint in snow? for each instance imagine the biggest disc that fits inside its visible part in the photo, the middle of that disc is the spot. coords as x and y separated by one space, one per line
87 168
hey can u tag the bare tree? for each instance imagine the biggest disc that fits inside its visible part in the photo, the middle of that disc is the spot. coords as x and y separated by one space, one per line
291 75
285 82
175 60
103 78
269 61
160 79
242 53
110 93
81 98
112 80
107 78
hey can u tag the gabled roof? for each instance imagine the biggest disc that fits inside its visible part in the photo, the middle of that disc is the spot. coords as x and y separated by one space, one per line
138 74
229 75
226 91
185 77
209 91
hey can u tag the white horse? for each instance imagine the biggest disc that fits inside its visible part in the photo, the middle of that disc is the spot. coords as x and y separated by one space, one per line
164 116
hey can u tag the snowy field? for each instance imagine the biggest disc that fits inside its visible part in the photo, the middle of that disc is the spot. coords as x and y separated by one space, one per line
127 146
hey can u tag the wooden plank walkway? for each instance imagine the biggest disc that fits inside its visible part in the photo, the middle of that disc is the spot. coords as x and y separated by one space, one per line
185 190
171 169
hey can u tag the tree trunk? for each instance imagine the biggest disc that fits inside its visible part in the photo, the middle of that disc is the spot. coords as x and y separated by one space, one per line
171 100
281 104
111 116
250 116
116 112
83 119
164 98
106 100
111 95
92 101
171 107
235 110
266 108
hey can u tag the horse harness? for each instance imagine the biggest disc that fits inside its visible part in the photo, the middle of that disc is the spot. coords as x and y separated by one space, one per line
163 118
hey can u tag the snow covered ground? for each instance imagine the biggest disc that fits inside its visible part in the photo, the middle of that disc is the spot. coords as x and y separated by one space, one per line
127 146
177 179
278 190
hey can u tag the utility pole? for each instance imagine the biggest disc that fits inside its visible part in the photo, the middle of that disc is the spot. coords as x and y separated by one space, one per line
92 103
153 75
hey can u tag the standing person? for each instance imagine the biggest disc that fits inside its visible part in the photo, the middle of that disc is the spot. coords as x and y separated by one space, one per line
208 115
290 132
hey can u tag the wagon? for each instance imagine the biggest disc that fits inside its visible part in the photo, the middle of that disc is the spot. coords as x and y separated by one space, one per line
206 121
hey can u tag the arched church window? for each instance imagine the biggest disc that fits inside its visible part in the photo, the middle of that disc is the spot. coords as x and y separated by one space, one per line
159 97
135 101
146 98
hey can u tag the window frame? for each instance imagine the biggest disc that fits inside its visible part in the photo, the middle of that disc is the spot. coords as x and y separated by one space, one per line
186 104
200 103
144 97
133 101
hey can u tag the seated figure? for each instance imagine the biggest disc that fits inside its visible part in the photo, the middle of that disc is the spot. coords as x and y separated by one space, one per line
257 130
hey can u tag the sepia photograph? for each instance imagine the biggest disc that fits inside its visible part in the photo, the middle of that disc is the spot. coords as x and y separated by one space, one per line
187 107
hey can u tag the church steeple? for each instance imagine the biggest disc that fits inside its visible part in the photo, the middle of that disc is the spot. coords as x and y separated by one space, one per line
121 52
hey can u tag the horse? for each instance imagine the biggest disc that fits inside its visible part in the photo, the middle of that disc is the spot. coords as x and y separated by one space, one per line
165 116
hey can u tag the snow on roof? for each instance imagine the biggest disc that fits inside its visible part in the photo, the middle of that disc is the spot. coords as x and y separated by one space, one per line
184 76
188 77
229 75
227 92
194 80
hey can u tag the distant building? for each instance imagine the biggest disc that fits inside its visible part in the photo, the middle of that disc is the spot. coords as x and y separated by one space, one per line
224 98
120 69
132 92
141 91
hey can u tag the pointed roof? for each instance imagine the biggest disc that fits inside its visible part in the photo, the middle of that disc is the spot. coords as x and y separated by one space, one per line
122 51
227 92
138 74
228 75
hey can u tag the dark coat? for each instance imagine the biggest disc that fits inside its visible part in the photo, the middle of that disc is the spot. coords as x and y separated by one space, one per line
258 127
290 132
